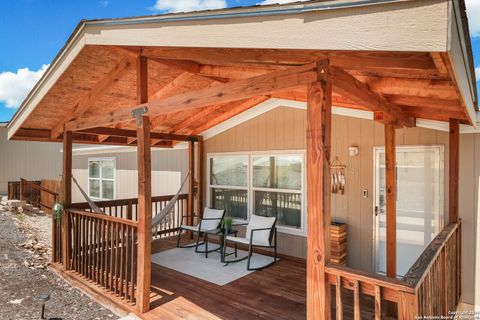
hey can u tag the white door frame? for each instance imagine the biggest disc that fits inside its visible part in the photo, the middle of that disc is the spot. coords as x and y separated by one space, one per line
376 151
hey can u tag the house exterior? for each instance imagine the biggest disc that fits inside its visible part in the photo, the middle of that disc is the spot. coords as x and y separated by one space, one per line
374 129
31 161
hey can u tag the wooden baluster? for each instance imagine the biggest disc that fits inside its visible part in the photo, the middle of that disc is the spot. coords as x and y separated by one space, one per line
339 299
75 242
117 267
100 252
129 210
127 260
378 303
132 268
407 306
122 248
99 234
356 300
112 258
91 249
107 254
84 242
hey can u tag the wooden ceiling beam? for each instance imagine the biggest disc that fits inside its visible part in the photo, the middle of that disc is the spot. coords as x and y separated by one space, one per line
237 90
133 134
102 85
366 61
436 89
81 138
350 87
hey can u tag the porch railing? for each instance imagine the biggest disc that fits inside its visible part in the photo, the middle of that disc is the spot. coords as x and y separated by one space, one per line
430 288
103 247
436 275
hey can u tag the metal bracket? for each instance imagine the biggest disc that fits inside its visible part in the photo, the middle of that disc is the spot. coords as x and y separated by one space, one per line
138 113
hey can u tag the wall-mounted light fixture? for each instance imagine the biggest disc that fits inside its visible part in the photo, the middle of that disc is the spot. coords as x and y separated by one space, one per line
353 151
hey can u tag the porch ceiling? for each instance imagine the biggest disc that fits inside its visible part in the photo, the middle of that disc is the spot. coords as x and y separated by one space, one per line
192 89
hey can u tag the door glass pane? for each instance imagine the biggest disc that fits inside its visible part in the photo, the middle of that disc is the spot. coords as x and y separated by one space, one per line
287 207
419 204
278 172
93 169
107 189
94 188
229 171
107 169
234 202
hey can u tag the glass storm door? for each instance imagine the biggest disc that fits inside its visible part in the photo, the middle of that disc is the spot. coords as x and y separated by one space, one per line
419 203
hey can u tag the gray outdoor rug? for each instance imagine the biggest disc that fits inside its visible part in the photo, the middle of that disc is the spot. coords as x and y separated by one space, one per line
186 261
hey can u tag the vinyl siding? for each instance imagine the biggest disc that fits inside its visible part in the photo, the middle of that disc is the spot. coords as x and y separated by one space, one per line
169 168
29 160
284 129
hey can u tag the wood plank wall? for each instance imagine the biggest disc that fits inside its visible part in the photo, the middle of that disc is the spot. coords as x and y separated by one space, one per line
284 129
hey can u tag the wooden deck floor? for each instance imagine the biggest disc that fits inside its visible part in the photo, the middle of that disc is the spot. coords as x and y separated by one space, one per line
277 292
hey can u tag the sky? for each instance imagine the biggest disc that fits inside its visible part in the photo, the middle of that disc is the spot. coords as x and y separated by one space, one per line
32 32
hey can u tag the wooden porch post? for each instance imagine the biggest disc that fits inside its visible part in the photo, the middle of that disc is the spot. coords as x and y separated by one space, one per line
201 177
144 194
454 167
66 193
391 199
191 181
318 193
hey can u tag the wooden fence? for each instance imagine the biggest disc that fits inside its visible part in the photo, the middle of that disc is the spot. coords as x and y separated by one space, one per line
430 288
41 193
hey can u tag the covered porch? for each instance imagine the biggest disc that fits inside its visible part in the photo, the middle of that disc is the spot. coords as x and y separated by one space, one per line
115 85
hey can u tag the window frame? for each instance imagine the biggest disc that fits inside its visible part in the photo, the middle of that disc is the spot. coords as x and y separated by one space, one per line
100 179
302 231
215 186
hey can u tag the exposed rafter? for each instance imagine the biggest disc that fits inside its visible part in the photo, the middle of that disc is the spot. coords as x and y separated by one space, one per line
237 90
359 92
97 90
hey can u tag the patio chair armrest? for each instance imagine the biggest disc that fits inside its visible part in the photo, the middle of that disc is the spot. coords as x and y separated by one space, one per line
262 229
212 218
239 224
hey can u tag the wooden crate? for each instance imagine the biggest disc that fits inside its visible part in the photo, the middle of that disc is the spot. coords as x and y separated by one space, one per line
338 243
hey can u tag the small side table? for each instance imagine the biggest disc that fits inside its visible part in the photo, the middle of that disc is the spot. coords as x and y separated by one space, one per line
226 233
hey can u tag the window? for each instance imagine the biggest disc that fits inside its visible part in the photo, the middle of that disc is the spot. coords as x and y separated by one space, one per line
228 185
277 188
101 178
265 184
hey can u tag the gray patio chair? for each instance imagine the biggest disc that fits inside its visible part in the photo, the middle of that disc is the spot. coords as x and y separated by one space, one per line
261 233
211 221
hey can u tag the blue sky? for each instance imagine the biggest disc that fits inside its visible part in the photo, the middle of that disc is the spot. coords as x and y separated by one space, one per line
33 31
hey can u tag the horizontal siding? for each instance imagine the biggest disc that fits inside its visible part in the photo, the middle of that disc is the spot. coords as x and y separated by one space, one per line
169 168
29 160
284 129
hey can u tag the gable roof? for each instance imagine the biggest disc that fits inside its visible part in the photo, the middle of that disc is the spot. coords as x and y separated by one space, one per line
423 42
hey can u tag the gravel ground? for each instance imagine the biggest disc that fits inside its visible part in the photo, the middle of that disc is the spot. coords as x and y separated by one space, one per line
22 278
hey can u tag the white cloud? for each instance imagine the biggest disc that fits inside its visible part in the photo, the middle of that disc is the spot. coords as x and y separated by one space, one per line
14 86
473 13
188 5
477 73
103 3
278 1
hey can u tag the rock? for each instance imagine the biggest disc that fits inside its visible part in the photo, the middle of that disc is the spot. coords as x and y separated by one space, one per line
17 301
